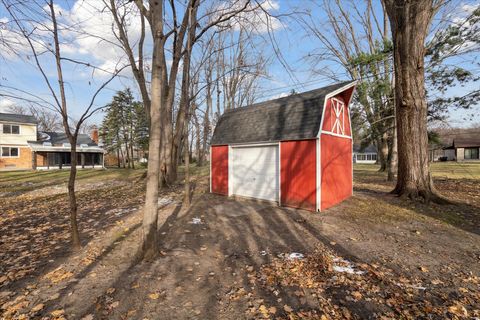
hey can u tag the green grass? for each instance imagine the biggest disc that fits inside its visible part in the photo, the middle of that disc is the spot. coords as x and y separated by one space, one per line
30 180
450 170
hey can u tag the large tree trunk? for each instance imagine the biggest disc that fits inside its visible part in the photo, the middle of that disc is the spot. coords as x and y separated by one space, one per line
409 22
150 213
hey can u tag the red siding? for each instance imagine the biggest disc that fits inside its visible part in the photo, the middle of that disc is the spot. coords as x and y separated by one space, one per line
298 174
336 166
219 173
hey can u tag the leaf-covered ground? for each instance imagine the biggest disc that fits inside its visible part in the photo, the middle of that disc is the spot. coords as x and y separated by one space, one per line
372 257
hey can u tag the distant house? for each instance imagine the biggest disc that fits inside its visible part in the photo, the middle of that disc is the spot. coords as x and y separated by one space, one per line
23 147
365 155
463 149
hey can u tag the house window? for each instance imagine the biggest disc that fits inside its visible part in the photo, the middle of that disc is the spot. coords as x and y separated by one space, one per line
11 129
471 153
361 157
9 152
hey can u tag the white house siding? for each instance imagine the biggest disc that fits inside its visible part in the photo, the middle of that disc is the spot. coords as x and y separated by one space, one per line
28 132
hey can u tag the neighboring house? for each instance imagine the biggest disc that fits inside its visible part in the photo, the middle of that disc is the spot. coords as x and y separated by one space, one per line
463 149
15 131
296 150
22 147
365 155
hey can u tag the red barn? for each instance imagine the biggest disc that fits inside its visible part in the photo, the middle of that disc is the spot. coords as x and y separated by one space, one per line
296 150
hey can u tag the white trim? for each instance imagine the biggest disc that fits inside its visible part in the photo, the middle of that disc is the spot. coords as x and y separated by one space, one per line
351 158
318 176
259 144
279 174
230 171
336 134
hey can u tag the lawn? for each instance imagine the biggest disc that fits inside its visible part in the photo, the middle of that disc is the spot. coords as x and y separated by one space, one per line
450 170
372 256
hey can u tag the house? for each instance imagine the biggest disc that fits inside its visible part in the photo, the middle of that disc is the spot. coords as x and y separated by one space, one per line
23 147
296 150
463 149
365 155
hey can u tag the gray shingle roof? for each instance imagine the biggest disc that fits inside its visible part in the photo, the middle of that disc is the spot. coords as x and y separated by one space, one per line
368 149
17 118
59 138
294 117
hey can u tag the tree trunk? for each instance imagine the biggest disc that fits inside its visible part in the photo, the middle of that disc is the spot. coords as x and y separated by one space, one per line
393 156
72 199
186 200
198 141
382 152
150 210
409 22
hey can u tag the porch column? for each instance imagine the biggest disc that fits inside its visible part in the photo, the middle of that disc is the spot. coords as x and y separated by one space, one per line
82 160
34 160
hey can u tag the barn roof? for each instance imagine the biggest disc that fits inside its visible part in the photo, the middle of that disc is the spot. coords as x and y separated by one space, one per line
295 117
17 118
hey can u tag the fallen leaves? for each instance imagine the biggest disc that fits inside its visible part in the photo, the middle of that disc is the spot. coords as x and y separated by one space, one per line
154 296
58 275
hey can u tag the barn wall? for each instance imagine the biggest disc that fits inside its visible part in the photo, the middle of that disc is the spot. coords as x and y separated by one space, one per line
219 169
336 169
298 174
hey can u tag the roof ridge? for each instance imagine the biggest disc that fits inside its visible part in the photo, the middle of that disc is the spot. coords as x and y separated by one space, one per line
291 96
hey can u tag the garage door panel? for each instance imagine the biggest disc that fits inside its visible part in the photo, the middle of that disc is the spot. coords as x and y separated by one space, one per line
255 172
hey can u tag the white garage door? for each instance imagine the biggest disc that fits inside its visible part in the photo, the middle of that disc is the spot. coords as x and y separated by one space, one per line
255 172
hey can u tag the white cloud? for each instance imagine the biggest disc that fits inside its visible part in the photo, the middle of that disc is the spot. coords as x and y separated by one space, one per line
5 104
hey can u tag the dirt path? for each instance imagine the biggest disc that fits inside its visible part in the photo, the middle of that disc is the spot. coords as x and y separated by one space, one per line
372 255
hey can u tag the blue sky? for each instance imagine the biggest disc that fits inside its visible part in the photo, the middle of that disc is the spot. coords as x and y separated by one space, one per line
291 40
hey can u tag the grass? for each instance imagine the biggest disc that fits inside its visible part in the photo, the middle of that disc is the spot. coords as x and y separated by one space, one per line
450 170
30 180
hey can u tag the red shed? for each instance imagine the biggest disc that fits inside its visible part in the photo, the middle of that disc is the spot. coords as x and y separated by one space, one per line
296 150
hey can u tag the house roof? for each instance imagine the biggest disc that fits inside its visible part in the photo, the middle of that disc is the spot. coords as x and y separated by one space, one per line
466 142
368 149
295 117
17 118
61 137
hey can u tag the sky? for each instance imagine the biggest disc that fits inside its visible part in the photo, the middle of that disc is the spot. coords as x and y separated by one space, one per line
100 50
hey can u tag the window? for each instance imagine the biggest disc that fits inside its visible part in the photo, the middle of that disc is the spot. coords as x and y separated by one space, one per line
9 152
11 129
83 145
361 156
471 153
67 145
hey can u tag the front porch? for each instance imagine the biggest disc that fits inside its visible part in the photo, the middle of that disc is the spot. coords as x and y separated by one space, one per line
45 160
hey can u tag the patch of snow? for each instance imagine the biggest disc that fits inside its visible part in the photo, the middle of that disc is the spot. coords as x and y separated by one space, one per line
343 265
295 255
196 221
164 201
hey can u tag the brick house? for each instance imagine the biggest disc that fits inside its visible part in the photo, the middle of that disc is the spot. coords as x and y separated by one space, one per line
23 147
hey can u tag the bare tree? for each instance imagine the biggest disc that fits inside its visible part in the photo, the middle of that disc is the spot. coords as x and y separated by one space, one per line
47 120
170 30
356 37
37 24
